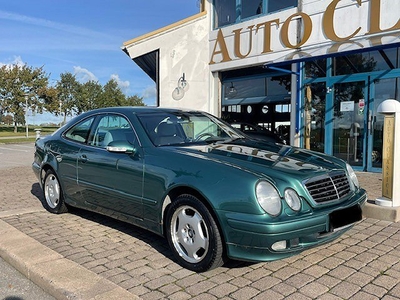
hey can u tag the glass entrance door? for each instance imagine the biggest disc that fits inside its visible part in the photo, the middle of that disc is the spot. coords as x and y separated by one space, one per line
354 126
349 121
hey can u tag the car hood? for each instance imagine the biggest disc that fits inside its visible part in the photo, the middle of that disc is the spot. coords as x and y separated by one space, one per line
266 158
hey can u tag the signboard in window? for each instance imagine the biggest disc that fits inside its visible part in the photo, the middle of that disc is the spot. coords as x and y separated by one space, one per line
347 106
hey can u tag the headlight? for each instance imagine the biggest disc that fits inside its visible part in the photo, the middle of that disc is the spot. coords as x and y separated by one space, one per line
353 176
268 198
292 199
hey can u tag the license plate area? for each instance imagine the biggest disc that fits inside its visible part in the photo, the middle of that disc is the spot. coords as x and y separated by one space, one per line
343 218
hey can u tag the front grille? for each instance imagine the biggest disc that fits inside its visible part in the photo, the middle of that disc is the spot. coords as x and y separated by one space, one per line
329 187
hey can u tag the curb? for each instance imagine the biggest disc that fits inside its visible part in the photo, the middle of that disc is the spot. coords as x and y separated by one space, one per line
391 214
58 276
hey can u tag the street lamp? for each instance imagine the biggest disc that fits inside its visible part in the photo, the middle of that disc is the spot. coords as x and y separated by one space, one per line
26 116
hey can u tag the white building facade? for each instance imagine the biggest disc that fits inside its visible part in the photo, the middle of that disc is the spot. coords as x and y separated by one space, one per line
314 71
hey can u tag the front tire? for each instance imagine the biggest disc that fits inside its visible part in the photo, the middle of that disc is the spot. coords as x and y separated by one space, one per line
193 235
53 196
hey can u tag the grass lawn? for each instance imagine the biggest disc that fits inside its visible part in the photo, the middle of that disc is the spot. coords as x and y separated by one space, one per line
7 134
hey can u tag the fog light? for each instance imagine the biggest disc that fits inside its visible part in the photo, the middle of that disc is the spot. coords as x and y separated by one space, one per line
294 242
281 245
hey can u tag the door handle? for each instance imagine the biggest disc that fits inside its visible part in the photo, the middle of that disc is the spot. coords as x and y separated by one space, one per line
84 158
371 122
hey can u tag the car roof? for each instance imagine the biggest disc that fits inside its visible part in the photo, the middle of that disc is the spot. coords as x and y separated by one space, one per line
139 109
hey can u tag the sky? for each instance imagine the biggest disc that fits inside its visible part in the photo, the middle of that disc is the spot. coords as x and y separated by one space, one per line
84 37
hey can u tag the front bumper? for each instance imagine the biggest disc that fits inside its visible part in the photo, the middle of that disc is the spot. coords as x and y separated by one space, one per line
251 238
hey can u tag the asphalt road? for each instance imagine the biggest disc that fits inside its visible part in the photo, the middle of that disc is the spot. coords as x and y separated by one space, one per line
13 285
16 155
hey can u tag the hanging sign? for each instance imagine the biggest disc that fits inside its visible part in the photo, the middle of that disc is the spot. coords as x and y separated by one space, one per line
361 106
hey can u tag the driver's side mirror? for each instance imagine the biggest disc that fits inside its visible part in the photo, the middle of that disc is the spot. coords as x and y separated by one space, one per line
121 147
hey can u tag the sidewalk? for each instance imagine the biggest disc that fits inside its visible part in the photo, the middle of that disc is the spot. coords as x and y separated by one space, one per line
82 255
31 135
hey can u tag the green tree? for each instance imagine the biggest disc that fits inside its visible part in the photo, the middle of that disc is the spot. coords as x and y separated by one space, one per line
134 101
112 95
21 88
89 96
68 88
50 100
7 120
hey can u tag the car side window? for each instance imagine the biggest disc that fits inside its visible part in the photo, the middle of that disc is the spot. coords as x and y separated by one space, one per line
112 128
80 132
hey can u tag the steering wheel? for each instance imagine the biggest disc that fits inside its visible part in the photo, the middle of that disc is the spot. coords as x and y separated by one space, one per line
200 136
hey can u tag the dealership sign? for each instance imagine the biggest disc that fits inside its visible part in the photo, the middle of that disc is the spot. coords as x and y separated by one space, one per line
322 27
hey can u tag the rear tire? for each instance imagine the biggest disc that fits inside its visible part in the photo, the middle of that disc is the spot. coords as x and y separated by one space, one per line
193 235
53 195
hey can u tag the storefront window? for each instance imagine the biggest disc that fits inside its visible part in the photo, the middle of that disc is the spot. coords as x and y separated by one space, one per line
353 64
278 85
248 88
251 8
257 87
386 59
315 68
274 5
258 100
233 11
225 12
379 60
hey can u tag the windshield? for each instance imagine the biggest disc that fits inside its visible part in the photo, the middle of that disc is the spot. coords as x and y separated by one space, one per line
171 128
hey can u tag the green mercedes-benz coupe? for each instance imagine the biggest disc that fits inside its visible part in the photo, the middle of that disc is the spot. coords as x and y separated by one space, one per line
213 192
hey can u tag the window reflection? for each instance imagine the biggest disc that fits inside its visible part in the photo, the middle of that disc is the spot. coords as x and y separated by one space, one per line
380 60
281 4
251 8
233 11
225 12
257 87
367 62
315 68
353 64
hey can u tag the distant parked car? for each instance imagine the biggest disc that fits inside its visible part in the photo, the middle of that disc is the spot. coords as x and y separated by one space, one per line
258 132
187 175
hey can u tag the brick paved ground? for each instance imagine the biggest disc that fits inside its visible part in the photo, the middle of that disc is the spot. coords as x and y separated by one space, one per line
363 264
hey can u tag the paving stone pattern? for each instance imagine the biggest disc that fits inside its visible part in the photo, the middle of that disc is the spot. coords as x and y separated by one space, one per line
362 264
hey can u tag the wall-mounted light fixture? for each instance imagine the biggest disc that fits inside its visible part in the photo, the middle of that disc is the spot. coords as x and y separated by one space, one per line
182 87
231 91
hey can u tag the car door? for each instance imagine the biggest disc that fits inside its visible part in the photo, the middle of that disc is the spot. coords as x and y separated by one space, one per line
110 181
66 152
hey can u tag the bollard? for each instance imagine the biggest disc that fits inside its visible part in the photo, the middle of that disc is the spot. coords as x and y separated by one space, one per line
38 130
391 154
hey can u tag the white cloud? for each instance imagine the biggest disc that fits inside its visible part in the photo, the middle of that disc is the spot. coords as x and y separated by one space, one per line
149 92
17 60
149 95
84 75
123 85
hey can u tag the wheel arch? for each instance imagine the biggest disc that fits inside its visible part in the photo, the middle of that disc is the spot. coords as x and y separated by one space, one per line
43 171
182 190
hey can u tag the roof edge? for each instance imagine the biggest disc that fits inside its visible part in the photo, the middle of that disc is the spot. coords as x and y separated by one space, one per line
166 28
